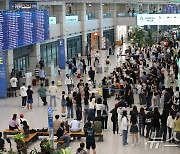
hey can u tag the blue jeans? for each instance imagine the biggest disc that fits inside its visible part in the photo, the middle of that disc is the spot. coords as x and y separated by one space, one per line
51 99
70 111
69 88
124 137
141 129
66 139
91 114
85 114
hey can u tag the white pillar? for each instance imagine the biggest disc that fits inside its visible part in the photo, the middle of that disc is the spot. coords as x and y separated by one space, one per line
34 57
9 62
82 15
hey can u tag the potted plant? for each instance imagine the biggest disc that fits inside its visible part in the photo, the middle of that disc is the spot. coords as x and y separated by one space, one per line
19 139
46 146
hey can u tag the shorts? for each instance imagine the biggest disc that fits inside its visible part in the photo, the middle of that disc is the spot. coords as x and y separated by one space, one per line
37 77
90 145
134 129
42 79
30 101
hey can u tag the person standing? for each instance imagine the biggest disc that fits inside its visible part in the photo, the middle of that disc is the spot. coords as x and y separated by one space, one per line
114 119
42 75
124 127
41 63
23 92
91 74
68 82
104 120
141 121
52 92
63 104
36 73
29 98
2 143
89 59
42 93
90 138
13 83
69 105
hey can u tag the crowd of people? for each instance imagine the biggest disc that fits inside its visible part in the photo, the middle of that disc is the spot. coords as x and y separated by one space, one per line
144 73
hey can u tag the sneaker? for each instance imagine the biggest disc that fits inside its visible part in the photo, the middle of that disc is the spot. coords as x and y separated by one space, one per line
132 145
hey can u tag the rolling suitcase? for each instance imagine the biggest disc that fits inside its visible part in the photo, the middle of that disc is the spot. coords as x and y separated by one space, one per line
106 68
79 75
46 82
98 69
34 82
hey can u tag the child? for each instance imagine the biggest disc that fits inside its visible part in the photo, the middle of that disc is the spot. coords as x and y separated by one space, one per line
29 98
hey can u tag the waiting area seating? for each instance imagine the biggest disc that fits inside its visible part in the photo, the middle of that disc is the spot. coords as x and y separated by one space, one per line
81 134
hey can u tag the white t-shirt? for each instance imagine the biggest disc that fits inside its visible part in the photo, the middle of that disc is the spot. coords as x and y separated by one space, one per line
124 123
13 82
53 90
75 124
23 90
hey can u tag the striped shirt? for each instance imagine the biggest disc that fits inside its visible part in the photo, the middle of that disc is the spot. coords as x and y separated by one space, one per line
36 71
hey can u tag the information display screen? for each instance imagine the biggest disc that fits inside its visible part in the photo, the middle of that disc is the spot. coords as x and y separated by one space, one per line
23 27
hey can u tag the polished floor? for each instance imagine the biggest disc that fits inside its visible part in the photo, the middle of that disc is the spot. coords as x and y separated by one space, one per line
112 143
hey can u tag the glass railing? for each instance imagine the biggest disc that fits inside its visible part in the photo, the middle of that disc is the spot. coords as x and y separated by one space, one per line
106 14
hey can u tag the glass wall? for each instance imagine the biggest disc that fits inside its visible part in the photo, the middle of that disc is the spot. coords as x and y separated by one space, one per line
74 46
21 58
109 35
49 52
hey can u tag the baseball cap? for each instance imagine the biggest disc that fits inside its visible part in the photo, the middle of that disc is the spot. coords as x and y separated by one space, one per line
21 115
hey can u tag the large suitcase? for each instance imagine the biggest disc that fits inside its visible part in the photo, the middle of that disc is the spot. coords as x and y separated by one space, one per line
98 69
106 68
34 81
46 82
79 75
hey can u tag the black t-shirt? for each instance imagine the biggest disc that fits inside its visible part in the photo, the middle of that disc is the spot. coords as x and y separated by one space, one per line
60 132
89 133
1 144
29 93
69 102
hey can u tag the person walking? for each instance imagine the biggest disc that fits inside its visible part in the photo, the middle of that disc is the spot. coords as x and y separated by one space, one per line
124 127
42 94
29 98
52 92
23 93
13 83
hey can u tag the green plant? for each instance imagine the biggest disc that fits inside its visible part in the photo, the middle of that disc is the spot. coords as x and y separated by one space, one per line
18 137
47 145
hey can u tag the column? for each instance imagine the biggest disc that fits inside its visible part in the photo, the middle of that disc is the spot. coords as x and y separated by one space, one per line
81 7
113 9
60 10
9 63
34 57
